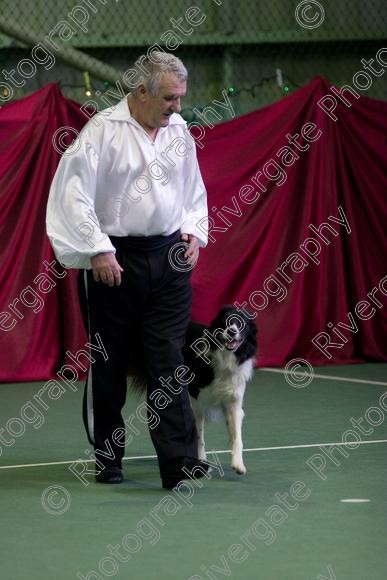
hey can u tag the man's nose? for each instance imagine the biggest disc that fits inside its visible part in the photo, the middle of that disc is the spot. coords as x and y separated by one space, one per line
176 106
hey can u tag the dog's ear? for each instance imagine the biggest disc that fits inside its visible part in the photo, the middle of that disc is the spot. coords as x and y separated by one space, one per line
220 316
249 345
253 330
214 323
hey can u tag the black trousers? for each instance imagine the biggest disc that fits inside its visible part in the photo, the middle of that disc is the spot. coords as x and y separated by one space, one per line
145 318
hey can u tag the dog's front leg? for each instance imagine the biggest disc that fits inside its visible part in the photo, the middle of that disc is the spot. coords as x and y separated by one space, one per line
199 420
234 417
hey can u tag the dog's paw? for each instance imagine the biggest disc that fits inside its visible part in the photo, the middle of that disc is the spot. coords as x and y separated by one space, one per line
239 468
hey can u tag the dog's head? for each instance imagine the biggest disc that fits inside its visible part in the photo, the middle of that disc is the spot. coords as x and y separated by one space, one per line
235 331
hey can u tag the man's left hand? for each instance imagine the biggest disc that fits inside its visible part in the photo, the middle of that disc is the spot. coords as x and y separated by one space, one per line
192 252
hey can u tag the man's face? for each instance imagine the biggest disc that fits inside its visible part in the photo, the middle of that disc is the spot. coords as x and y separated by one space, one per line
160 107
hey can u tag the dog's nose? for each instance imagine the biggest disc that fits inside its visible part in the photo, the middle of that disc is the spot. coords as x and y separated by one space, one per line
232 331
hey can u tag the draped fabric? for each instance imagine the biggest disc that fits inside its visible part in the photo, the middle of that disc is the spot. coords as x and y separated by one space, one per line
49 321
297 231
344 167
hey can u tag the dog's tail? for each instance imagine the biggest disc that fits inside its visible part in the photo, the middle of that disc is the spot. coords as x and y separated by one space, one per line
136 375
136 383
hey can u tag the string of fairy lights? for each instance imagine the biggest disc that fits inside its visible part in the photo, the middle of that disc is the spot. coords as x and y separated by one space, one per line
280 79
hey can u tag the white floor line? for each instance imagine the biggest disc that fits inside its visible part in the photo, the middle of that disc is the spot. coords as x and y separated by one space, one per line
308 445
68 462
219 452
328 377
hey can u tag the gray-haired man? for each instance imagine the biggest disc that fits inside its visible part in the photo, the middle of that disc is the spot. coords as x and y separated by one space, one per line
125 194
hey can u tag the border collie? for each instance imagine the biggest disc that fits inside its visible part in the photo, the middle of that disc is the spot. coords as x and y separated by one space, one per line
221 357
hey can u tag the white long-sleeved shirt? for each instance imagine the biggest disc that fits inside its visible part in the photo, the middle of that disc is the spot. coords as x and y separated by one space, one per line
114 180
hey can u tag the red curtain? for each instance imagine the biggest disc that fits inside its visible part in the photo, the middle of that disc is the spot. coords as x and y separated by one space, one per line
36 341
272 251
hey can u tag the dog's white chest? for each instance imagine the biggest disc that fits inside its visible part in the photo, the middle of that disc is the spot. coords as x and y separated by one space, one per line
229 383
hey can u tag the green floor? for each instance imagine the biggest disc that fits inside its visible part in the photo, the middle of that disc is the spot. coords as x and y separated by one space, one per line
198 537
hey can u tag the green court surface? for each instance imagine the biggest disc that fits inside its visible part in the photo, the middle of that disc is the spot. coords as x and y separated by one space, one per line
243 527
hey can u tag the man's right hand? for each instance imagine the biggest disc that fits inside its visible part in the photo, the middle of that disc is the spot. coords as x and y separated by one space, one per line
106 269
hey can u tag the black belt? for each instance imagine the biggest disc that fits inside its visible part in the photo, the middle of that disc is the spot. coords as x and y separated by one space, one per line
145 243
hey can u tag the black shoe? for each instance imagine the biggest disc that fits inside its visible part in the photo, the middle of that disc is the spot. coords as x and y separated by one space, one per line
112 474
173 473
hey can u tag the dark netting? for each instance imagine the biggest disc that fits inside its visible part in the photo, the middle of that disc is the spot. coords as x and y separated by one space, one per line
257 51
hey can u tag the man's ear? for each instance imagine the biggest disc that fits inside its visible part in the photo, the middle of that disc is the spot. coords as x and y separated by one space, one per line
142 93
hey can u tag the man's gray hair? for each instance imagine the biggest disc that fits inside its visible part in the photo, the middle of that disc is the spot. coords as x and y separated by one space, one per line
161 63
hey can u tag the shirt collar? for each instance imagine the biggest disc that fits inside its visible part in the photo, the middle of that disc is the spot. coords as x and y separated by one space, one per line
121 112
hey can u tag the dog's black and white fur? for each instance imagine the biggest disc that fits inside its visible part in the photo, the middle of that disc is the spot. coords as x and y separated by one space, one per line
221 357
221 360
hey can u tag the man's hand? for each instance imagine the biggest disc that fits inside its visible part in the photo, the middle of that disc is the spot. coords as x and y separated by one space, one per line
106 269
192 252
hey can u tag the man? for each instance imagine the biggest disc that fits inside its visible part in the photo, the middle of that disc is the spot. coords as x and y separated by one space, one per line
126 192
